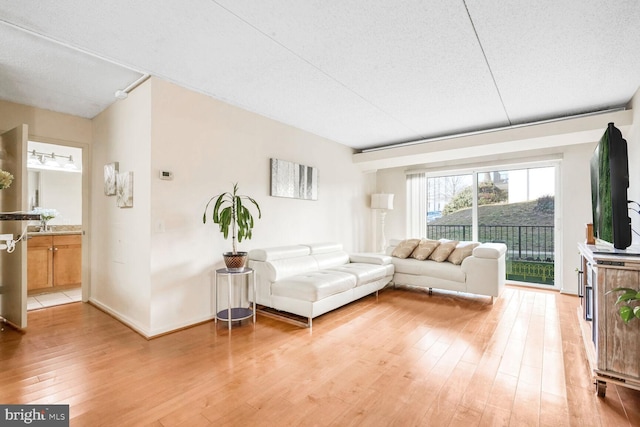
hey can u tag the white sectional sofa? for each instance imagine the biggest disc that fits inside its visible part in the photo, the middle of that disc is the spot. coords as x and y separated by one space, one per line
483 272
310 280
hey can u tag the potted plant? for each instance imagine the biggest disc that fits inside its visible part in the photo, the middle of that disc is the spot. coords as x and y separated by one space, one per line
231 212
629 296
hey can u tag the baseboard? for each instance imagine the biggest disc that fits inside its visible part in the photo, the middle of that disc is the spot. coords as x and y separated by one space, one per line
146 333
121 318
179 327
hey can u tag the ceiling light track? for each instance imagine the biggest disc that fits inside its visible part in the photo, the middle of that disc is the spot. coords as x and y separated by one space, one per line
123 93
69 46
499 129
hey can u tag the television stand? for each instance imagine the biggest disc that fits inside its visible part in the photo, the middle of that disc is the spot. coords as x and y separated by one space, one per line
612 347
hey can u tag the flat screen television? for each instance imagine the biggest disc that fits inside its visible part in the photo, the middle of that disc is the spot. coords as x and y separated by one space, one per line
609 184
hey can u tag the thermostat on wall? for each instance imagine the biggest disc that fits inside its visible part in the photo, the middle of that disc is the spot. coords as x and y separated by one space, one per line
166 175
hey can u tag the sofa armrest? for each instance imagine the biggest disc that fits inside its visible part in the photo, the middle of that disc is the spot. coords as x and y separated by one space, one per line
486 269
370 258
490 250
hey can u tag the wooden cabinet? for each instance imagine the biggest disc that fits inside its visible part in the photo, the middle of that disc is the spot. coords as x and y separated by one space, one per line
39 262
54 261
613 347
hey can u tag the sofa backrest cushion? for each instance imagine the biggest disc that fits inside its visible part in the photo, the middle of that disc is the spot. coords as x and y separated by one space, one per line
283 261
280 252
331 259
328 254
424 249
462 250
444 249
405 248
323 248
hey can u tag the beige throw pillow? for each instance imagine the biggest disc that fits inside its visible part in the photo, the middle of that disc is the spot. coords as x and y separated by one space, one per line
462 250
444 249
424 249
405 248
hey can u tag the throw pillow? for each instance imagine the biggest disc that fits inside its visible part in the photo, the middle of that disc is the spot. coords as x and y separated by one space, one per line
444 249
405 248
462 250
424 249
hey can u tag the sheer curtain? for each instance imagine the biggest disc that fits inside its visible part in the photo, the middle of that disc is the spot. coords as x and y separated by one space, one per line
416 205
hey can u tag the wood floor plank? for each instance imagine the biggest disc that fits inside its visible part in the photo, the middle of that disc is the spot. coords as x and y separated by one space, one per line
405 359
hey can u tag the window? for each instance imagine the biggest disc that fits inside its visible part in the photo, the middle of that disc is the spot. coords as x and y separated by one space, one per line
513 206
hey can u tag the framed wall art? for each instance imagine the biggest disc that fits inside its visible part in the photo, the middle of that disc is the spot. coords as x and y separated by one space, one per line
124 193
293 180
110 176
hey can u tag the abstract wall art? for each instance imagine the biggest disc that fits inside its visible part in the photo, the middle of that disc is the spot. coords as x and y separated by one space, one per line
293 180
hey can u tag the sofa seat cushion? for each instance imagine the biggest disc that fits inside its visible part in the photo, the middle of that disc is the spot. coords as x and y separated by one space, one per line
314 286
440 270
365 273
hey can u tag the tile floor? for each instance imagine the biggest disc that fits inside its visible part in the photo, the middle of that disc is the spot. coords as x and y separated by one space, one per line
37 302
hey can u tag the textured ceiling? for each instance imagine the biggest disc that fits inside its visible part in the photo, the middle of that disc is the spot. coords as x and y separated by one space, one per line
364 73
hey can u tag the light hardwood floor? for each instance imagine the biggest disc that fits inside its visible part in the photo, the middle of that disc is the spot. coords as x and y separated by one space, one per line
407 359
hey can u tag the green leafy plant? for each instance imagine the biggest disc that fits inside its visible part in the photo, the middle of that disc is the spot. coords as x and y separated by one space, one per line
231 212
629 296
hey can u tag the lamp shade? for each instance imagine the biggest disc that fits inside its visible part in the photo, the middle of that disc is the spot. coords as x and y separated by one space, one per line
382 201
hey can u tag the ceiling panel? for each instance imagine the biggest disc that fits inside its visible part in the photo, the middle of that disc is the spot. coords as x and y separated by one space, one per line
553 58
419 63
363 73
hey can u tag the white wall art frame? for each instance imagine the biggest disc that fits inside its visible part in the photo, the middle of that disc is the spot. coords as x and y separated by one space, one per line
293 180
110 177
124 195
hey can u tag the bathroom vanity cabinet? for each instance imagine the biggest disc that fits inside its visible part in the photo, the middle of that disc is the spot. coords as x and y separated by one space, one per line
53 261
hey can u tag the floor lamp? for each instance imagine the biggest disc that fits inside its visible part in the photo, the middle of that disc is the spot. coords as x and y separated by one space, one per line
382 202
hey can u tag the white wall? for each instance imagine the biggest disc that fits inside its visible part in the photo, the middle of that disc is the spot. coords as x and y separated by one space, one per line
162 278
120 268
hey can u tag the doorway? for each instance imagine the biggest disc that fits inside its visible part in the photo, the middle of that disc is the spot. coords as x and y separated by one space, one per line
54 246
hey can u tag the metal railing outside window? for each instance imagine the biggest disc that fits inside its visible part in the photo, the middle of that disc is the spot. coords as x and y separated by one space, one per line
530 248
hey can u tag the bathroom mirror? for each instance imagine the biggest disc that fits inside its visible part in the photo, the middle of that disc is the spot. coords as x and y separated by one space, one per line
55 181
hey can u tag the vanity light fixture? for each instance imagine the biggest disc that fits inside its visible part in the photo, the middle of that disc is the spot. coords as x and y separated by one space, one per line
51 161
70 164
33 159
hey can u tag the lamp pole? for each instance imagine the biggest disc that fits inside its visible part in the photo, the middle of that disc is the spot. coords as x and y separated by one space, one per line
382 202
383 240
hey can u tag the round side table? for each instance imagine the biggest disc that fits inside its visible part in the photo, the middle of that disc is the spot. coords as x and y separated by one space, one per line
233 314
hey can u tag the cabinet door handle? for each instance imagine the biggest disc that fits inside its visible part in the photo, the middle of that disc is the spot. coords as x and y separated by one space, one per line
55 249
50 249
